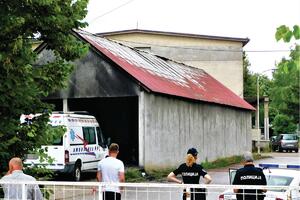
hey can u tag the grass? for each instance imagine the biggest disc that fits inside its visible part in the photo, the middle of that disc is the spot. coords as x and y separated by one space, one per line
135 174
222 162
226 162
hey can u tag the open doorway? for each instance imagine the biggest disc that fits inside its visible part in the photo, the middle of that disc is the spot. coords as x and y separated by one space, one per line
118 119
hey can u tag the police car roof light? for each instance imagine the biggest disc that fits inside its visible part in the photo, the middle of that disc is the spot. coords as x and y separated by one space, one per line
280 166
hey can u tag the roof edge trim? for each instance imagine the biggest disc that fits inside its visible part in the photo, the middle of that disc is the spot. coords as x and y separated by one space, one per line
244 41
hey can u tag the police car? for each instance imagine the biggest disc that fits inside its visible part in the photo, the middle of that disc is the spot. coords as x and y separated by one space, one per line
80 149
274 177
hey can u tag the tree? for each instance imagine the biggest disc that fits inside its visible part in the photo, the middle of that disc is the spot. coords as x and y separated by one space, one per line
286 34
250 81
283 124
250 86
249 78
22 82
285 89
286 86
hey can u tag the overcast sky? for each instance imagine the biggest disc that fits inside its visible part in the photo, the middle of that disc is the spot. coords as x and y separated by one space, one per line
253 19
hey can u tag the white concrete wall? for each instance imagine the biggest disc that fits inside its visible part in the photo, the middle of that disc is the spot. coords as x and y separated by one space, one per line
169 126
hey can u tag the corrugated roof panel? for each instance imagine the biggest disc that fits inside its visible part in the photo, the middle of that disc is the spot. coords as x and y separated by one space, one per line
165 76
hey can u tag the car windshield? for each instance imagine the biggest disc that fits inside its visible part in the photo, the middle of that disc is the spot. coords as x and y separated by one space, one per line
289 137
279 180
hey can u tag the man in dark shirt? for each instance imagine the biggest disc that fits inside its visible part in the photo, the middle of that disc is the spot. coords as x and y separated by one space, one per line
249 175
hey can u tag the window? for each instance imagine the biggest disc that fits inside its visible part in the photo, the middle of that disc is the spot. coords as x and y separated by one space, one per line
100 137
232 173
89 135
279 180
290 137
58 141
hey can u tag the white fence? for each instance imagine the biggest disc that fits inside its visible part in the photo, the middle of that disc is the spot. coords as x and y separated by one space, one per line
134 191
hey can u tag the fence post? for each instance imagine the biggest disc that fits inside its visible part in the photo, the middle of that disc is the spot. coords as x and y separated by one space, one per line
188 193
24 192
100 197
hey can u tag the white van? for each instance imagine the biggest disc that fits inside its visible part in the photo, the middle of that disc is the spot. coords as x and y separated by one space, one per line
80 148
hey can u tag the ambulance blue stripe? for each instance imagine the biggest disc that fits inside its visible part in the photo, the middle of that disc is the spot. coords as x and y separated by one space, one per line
87 153
92 161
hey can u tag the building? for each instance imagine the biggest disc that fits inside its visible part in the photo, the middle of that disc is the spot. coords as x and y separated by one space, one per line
221 57
153 107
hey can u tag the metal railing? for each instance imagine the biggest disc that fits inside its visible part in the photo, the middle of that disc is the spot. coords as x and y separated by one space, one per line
54 190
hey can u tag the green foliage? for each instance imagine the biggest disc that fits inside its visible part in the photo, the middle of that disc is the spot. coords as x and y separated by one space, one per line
222 162
159 174
23 83
40 172
134 175
283 124
286 86
47 193
265 84
250 85
284 94
285 33
249 79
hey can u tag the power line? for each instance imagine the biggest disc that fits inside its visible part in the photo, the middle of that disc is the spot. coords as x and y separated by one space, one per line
110 11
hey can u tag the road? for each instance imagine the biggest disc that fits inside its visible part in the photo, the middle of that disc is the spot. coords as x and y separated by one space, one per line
219 176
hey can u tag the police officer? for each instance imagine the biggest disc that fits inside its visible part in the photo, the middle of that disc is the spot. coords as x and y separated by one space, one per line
249 175
191 173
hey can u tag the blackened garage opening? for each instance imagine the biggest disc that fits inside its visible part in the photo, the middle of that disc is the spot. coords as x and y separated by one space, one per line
118 119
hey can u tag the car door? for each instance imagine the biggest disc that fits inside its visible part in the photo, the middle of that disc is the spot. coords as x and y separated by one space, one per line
232 173
277 141
102 146
90 159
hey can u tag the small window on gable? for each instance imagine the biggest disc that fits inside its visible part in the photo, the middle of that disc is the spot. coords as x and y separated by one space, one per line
89 135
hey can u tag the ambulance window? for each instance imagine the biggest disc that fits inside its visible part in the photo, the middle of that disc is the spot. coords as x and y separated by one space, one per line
58 141
100 137
89 135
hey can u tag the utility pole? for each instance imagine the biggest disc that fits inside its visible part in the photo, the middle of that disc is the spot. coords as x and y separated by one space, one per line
266 121
257 115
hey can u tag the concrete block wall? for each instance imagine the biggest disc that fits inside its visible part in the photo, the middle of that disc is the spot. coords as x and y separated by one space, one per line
169 126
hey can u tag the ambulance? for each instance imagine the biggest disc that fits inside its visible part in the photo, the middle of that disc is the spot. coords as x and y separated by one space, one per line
80 148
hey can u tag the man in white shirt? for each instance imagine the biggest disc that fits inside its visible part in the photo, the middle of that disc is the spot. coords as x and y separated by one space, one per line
111 170
14 175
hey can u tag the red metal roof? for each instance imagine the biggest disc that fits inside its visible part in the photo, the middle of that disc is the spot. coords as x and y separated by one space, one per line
161 75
